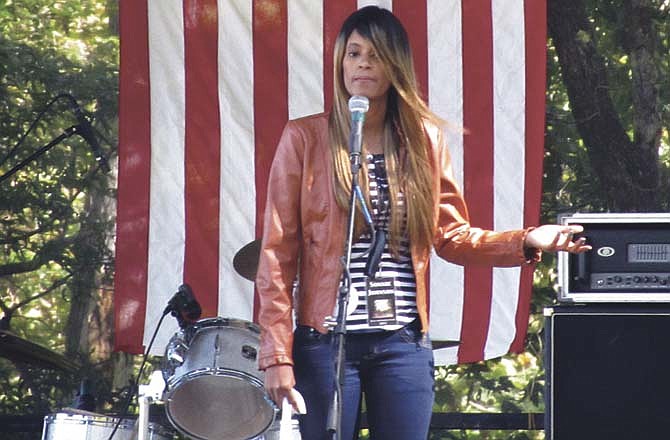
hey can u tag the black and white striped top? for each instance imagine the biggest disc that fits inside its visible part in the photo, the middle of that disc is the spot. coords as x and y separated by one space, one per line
400 269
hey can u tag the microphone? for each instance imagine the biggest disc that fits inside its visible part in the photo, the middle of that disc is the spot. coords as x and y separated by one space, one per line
85 130
358 106
184 306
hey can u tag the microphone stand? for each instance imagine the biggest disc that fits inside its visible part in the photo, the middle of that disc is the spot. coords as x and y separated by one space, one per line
66 134
340 330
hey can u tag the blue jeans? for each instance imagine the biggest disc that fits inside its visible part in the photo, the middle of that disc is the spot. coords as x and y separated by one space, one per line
394 370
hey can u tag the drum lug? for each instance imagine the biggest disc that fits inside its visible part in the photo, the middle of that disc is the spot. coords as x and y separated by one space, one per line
176 354
249 352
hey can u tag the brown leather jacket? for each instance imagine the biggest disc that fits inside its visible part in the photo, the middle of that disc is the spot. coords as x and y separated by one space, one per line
305 229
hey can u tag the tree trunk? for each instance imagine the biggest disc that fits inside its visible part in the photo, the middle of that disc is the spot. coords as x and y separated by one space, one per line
89 329
626 170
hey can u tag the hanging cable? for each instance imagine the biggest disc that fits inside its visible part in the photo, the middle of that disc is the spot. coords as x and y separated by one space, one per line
131 393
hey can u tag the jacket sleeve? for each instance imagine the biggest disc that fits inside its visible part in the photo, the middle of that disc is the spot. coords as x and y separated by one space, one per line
277 266
456 240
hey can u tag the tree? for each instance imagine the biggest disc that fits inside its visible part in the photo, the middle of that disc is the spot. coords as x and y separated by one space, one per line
56 218
613 62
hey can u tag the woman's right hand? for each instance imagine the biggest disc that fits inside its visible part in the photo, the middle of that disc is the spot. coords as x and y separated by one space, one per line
279 383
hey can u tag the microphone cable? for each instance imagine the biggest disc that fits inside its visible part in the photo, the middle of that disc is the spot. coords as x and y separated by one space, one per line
133 390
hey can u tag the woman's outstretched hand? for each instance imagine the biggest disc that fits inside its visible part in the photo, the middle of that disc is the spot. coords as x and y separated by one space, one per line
552 238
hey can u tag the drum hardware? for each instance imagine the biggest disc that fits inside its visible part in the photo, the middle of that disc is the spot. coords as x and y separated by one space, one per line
249 352
217 350
213 386
153 392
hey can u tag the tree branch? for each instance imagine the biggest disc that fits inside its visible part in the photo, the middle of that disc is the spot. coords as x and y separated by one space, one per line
51 251
627 173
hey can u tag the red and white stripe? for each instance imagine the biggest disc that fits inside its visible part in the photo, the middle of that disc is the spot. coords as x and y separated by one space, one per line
206 87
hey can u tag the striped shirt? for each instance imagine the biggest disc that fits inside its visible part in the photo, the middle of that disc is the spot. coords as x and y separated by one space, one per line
400 270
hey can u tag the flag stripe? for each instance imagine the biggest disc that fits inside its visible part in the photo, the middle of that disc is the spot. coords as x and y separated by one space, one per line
334 14
134 171
201 262
167 206
446 99
270 92
305 58
509 140
237 188
270 89
414 14
477 165
535 31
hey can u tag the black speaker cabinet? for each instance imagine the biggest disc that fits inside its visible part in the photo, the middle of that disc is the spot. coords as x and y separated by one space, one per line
607 372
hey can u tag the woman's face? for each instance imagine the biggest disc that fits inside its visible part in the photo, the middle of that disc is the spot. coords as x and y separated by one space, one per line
362 70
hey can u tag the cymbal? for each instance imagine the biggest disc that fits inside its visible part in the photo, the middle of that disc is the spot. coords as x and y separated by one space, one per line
245 261
20 350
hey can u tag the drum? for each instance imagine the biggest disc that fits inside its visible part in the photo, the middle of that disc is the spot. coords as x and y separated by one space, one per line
214 389
66 426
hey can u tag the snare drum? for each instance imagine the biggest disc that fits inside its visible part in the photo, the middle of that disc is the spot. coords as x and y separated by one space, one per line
214 389
65 426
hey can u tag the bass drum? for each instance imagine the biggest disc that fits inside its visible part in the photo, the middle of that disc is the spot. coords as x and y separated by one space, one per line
66 426
214 389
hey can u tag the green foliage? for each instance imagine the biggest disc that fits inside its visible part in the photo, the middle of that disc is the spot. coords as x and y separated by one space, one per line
53 233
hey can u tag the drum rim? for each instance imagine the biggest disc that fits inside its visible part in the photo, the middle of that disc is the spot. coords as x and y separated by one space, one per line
225 322
87 419
187 432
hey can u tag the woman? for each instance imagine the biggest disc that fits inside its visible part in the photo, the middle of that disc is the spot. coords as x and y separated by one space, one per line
414 201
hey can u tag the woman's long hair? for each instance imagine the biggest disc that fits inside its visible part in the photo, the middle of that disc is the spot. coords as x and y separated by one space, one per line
406 145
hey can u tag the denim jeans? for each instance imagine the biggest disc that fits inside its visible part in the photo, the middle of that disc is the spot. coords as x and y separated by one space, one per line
393 370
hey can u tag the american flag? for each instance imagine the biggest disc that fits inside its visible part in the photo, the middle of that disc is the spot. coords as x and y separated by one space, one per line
206 87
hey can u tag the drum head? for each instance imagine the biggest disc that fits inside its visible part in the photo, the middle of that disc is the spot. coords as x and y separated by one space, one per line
219 406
